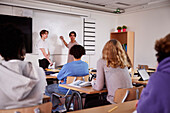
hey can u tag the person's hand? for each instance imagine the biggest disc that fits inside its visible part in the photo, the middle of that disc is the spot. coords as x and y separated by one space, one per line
93 80
61 81
48 56
51 64
61 37
137 104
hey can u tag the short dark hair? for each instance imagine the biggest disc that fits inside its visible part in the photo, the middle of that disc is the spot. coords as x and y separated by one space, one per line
77 51
11 42
162 46
43 32
72 32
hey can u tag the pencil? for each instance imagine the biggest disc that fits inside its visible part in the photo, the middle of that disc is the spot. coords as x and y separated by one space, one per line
112 109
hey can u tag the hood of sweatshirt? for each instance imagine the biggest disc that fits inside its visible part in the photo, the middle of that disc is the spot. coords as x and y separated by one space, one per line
164 65
17 79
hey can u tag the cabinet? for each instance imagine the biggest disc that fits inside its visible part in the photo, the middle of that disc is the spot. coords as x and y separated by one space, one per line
126 39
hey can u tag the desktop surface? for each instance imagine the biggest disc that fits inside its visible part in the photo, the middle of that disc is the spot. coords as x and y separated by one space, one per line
126 107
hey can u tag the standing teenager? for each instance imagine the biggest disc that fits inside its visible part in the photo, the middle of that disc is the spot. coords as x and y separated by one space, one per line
43 50
72 42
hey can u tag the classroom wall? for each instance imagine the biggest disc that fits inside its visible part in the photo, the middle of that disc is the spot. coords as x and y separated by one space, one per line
105 23
148 26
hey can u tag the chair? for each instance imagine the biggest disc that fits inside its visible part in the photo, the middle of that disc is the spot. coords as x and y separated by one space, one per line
46 98
127 94
143 67
70 79
43 108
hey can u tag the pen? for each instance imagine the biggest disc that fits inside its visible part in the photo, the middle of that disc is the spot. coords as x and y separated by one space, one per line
112 109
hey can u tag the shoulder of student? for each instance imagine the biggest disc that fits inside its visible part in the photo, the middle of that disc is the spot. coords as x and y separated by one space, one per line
101 61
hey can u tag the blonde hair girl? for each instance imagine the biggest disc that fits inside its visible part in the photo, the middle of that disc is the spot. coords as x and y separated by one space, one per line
112 69
115 55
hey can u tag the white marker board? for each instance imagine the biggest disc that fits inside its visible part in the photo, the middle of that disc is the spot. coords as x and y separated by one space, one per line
58 25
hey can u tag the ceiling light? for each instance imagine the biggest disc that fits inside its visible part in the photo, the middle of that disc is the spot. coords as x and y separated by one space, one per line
119 11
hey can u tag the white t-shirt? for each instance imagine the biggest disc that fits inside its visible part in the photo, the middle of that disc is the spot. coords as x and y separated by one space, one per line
42 44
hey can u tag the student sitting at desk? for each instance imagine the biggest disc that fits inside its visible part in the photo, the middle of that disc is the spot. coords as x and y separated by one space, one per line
21 84
155 98
112 69
75 68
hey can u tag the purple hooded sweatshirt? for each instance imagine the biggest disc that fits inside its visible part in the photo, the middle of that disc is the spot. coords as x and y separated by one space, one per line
155 98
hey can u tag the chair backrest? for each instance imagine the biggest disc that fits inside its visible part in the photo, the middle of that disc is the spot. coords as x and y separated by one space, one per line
46 98
43 108
127 94
71 79
143 67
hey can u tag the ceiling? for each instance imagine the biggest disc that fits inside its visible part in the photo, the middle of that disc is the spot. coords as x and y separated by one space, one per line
112 6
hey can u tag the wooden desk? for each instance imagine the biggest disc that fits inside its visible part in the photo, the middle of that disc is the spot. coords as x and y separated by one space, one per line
126 107
149 71
76 93
53 70
92 72
50 77
91 68
152 68
136 80
87 90
58 70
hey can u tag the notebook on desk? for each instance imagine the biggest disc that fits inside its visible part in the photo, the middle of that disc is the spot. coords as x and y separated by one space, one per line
80 83
55 74
144 75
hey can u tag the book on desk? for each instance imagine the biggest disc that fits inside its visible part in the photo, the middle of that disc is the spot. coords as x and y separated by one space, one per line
80 83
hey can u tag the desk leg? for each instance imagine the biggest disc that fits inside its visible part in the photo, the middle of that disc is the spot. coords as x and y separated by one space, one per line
77 95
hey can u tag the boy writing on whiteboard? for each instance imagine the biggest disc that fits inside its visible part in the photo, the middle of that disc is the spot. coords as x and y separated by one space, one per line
43 50
72 42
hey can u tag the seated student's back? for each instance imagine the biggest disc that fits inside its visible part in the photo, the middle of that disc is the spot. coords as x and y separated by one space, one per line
155 98
21 83
74 68
112 69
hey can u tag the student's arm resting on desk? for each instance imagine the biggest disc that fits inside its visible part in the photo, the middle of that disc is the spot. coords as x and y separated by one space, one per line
98 84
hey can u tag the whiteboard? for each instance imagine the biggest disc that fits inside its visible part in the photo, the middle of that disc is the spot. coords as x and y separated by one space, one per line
58 25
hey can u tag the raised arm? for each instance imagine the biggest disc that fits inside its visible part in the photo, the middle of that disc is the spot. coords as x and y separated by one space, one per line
65 43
